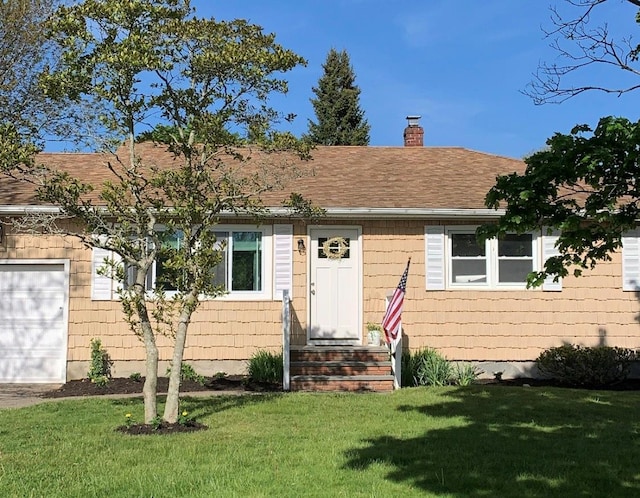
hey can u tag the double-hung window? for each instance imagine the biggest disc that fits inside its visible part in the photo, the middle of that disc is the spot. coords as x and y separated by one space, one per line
469 263
515 258
494 263
161 275
242 265
243 270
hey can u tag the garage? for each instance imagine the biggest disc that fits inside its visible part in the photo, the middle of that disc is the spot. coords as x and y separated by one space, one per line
33 322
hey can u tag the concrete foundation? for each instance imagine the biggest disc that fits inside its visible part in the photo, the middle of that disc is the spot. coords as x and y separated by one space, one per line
208 368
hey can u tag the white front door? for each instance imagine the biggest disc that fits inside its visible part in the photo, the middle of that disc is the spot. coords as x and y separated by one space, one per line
335 286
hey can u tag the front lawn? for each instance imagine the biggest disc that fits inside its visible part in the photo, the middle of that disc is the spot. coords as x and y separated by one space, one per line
480 441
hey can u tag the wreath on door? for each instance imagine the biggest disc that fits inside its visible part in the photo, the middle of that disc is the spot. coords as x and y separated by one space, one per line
335 247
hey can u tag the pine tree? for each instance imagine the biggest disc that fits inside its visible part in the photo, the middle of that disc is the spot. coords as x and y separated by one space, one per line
340 121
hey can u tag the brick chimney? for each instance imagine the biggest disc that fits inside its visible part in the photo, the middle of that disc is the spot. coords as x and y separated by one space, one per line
413 133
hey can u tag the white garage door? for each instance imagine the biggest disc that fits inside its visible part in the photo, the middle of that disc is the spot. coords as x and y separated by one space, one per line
33 323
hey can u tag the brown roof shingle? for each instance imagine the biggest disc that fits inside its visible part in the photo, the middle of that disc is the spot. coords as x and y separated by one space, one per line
345 177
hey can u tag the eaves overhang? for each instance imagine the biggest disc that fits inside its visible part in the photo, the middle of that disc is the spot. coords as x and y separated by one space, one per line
20 210
402 213
333 213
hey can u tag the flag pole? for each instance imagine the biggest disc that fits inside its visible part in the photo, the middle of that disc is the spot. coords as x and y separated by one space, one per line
392 325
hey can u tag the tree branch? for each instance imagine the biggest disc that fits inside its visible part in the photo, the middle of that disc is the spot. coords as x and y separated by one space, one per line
588 46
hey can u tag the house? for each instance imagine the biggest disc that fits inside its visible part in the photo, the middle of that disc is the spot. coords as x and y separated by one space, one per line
384 205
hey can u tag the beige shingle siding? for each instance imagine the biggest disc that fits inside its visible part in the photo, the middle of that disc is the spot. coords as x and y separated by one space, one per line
464 325
497 325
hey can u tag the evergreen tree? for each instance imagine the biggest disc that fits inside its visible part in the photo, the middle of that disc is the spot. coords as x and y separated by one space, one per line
337 106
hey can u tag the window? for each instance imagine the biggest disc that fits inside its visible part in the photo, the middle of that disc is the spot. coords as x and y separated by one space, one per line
166 276
515 258
334 247
468 259
492 264
256 264
242 268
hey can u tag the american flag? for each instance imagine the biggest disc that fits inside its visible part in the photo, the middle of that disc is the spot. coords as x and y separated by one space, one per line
392 318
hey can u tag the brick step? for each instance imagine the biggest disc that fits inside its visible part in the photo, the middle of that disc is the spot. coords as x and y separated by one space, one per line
340 368
335 354
351 383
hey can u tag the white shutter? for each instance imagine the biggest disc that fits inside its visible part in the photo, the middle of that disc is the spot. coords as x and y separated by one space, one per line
116 286
282 260
549 250
631 260
101 285
435 257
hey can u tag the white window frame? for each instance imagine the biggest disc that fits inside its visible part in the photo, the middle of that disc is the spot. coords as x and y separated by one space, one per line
266 264
492 261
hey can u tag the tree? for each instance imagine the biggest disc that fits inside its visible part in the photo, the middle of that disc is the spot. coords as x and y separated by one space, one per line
129 61
584 185
337 107
23 52
581 46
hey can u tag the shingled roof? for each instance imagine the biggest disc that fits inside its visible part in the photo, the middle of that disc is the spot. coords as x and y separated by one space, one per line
403 177
345 177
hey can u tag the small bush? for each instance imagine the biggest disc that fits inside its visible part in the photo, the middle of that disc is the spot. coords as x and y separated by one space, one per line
265 366
187 372
100 368
136 376
431 368
464 374
586 366
427 367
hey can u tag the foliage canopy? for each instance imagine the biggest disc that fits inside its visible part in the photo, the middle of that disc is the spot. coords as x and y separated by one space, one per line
584 184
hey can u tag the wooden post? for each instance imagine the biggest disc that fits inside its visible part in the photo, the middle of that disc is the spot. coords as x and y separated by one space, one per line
286 338
395 349
396 360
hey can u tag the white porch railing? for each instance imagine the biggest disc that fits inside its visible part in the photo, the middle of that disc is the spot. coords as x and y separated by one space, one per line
396 361
286 339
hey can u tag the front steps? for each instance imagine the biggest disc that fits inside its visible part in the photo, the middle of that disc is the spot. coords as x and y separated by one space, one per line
340 368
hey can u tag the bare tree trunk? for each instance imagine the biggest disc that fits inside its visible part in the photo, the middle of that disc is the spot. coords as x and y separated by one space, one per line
150 389
172 407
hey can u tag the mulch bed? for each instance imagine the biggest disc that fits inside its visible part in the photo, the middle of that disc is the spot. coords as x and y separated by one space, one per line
162 429
121 385
242 383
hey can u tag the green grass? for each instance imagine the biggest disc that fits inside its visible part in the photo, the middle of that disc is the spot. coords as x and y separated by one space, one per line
447 442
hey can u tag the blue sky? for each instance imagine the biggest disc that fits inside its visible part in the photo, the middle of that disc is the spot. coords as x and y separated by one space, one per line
460 64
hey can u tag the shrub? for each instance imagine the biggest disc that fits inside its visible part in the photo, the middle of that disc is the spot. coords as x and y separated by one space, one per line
100 368
427 367
586 366
431 368
464 374
265 366
187 372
